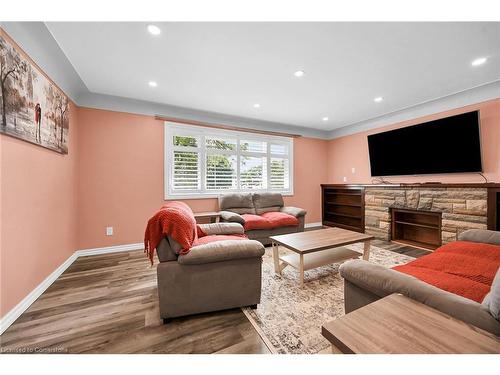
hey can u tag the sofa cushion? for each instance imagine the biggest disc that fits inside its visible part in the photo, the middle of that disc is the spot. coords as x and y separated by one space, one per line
269 220
218 237
266 202
255 222
221 228
239 203
280 219
460 267
492 299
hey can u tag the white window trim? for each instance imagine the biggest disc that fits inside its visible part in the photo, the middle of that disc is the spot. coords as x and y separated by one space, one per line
172 128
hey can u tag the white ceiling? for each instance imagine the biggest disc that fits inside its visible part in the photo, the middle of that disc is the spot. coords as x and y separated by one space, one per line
227 67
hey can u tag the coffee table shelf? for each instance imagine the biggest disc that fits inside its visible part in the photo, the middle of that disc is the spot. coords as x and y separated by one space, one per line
317 248
321 258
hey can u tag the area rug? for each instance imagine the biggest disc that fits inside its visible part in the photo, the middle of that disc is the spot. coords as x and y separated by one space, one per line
289 318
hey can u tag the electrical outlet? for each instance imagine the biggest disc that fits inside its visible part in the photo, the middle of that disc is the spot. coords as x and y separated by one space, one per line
353 170
109 231
345 179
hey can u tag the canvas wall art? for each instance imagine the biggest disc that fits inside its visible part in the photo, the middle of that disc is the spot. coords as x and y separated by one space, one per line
32 108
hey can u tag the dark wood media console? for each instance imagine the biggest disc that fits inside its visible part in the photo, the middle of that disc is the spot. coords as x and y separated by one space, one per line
361 207
417 228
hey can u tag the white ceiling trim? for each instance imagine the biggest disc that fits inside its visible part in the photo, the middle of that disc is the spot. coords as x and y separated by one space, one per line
37 41
128 105
464 98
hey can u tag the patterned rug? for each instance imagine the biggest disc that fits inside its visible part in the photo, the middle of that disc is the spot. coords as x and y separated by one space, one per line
289 318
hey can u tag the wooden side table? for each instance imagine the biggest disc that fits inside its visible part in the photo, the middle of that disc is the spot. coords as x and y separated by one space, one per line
213 216
398 324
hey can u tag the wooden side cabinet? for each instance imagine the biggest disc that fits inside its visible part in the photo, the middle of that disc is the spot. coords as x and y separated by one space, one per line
494 208
343 207
416 228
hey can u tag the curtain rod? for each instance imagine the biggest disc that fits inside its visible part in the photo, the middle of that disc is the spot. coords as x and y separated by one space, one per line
225 127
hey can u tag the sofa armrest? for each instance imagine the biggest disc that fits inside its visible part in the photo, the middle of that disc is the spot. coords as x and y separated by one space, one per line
222 251
294 211
222 228
383 281
232 217
480 235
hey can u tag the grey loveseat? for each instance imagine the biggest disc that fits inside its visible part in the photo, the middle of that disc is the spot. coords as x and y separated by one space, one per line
366 282
232 206
214 276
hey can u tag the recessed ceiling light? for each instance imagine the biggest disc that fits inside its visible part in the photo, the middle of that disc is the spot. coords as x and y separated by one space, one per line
154 30
378 99
479 61
325 118
298 73
152 83
256 105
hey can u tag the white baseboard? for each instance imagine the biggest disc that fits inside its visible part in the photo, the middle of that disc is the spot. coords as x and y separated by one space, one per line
22 306
110 249
312 225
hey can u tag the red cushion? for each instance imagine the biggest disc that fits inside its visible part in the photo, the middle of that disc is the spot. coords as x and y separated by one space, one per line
460 267
255 222
218 237
280 219
269 220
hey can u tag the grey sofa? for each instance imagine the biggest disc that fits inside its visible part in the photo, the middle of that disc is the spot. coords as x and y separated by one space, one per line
365 282
232 206
214 276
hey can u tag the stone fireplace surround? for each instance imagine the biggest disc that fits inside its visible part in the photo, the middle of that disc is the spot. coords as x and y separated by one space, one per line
461 208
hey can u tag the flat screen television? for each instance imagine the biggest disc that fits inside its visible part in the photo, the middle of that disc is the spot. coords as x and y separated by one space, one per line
447 145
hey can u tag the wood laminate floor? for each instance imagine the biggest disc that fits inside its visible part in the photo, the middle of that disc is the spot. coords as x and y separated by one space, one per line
109 304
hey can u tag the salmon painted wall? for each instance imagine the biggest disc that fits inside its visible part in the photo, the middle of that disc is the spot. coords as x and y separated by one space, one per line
121 176
38 215
352 151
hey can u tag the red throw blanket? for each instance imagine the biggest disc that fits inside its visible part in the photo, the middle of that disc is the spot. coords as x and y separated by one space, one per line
176 220
460 267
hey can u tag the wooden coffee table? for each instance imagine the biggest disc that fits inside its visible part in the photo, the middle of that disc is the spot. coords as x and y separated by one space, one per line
317 248
398 324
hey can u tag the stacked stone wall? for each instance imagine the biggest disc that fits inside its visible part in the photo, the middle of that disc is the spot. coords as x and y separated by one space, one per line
461 208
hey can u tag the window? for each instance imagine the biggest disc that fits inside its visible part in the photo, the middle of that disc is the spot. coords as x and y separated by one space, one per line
202 162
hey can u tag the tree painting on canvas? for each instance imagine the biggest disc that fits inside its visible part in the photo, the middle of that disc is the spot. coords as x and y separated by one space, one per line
32 108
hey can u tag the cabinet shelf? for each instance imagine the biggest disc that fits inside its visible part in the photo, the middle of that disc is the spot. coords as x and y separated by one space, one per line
417 224
344 215
345 204
416 228
344 208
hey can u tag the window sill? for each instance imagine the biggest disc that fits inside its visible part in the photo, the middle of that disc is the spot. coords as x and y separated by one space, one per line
215 196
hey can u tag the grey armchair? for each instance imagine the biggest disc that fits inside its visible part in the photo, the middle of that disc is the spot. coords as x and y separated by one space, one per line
214 276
